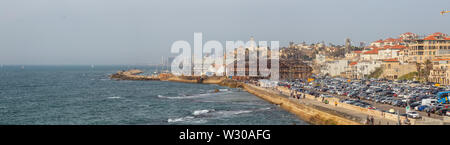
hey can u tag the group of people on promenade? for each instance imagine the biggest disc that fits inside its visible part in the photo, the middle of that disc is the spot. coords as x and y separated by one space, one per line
369 121
297 95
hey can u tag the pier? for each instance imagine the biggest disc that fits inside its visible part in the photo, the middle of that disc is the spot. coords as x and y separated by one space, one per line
133 75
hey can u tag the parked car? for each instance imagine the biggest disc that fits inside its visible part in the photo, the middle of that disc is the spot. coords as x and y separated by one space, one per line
413 114
442 111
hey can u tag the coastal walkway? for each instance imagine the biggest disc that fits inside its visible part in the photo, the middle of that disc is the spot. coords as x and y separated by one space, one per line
401 110
336 109
360 115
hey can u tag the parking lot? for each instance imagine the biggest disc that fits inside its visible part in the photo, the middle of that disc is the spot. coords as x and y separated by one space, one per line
383 95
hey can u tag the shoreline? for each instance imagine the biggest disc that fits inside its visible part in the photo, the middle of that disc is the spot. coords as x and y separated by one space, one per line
310 114
310 108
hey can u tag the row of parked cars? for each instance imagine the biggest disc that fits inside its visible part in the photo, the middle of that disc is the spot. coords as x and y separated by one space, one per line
420 97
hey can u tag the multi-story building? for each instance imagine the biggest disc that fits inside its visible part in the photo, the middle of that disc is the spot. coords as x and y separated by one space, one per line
294 69
393 69
389 51
353 55
370 55
364 68
440 72
424 49
335 68
408 36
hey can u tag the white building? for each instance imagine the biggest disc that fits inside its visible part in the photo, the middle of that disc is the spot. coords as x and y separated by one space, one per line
335 68
370 55
388 53
364 68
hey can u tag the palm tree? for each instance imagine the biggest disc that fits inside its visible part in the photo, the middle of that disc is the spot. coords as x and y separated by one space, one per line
428 68
418 67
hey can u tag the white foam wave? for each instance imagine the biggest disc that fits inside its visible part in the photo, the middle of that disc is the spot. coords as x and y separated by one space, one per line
231 113
187 96
263 109
200 116
200 112
114 97
182 119
187 119
223 90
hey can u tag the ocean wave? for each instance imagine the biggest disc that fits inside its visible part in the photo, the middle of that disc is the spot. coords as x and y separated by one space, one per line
263 109
189 96
200 112
232 113
229 113
218 90
224 90
201 116
182 119
114 97
187 119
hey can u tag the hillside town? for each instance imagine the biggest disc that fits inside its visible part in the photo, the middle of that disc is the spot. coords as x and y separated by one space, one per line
409 72
396 80
406 76
407 57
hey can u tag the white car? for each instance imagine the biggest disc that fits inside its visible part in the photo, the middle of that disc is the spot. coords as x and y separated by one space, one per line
413 114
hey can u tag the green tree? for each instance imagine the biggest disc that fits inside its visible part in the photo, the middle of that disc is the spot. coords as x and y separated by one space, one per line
427 69
419 70
409 76
377 73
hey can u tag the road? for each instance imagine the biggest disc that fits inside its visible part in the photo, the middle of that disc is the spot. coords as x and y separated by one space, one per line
361 115
385 106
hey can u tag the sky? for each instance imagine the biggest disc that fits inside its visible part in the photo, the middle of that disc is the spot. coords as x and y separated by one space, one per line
84 32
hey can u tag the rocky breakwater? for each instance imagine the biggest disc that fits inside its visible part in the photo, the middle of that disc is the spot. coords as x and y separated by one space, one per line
132 75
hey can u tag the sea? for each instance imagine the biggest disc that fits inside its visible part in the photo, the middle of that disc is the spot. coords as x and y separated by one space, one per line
84 95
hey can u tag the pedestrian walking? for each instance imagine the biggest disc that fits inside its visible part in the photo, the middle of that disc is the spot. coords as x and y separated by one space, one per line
372 120
367 120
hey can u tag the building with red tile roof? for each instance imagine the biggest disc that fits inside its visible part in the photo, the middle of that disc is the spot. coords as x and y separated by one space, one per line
374 51
420 50
353 63
391 60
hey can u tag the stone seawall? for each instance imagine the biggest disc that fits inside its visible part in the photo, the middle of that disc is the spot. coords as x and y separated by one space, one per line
311 114
393 117
182 80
